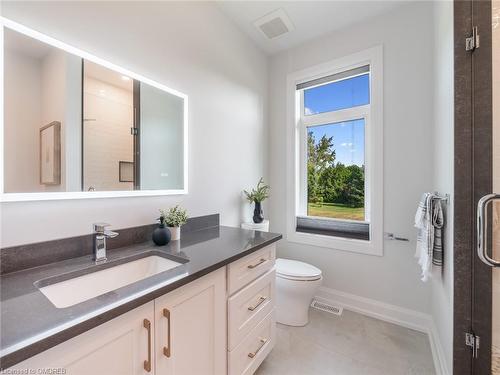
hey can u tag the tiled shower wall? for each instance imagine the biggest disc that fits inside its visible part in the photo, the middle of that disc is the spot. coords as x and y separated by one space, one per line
109 111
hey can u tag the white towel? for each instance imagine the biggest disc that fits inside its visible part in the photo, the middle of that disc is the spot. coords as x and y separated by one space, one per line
429 221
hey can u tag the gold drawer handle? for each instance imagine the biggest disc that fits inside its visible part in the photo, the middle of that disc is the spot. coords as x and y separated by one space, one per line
166 349
252 266
261 300
147 364
262 343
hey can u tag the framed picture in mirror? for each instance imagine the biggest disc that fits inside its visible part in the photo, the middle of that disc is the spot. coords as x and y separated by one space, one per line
50 154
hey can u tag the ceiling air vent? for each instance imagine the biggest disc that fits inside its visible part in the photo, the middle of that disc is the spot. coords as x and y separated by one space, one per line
274 24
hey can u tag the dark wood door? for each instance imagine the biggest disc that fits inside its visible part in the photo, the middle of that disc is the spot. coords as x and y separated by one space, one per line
474 175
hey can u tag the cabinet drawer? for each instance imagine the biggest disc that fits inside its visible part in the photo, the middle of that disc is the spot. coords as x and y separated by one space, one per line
247 269
249 306
250 353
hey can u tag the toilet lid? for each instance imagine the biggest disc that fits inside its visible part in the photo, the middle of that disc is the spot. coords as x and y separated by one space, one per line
293 269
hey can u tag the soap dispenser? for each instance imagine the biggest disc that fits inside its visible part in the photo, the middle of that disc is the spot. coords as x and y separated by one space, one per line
161 235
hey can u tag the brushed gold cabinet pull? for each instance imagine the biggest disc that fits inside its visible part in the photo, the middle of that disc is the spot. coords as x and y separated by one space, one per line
261 300
166 349
252 266
262 343
147 364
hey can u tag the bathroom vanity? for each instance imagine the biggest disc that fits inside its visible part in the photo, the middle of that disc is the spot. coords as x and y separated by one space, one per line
201 305
210 312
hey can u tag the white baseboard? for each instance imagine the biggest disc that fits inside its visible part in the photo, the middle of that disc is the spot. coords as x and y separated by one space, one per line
437 351
390 313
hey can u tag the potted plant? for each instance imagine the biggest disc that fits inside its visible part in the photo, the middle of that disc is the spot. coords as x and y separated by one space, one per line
174 217
256 196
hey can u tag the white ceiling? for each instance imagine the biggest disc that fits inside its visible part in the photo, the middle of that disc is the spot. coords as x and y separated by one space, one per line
310 18
109 76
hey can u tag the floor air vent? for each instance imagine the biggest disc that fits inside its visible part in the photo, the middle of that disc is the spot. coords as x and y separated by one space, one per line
337 310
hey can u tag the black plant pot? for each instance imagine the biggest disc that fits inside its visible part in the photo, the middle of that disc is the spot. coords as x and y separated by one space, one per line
258 214
161 235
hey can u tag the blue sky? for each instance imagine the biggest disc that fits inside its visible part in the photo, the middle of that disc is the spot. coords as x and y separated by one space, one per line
343 94
348 137
348 140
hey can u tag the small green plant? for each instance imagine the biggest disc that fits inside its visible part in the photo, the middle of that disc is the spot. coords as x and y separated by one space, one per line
174 216
258 194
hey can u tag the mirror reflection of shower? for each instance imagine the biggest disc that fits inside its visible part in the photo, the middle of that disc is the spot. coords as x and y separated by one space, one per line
108 122
97 129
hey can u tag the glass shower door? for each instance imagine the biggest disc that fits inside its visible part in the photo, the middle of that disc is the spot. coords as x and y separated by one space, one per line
495 344
494 213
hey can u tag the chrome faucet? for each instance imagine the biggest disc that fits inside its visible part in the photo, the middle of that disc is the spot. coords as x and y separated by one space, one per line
100 235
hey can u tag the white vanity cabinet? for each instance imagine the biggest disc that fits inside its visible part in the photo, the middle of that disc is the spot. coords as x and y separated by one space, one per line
180 333
190 332
220 323
117 347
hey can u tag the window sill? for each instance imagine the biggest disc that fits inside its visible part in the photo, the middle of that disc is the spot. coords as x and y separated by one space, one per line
356 230
337 243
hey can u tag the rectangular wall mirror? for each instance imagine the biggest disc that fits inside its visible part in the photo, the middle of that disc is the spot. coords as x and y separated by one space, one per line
76 126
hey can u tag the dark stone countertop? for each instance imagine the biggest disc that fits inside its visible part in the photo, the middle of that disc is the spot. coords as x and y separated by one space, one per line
30 323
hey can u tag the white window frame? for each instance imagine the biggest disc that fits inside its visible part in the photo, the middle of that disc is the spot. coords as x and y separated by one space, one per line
297 150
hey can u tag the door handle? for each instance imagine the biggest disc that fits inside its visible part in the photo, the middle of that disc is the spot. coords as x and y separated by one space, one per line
261 301
252 266
482 229
166 349
262 343
147 364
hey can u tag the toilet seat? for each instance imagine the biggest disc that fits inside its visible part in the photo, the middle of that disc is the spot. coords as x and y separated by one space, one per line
295 270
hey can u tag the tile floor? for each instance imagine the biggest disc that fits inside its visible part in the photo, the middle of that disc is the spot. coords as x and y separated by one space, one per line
351 344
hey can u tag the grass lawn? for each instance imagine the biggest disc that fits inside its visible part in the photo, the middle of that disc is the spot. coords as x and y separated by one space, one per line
336 211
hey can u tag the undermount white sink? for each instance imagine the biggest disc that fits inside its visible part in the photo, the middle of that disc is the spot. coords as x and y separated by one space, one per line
82 288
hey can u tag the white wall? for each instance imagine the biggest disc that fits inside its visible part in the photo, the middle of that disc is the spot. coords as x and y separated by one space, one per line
53 99
39 89
73 124
442 280
22 121
191 47
408 152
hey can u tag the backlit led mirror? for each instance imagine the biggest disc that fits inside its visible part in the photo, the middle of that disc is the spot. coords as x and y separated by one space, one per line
73 124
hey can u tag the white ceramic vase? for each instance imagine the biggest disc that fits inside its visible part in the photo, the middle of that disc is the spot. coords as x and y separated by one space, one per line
175 233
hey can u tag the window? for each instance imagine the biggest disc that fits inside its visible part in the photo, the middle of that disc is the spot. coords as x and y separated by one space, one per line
337 146
339 93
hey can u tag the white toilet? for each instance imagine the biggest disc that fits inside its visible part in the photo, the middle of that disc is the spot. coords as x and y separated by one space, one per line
296 284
